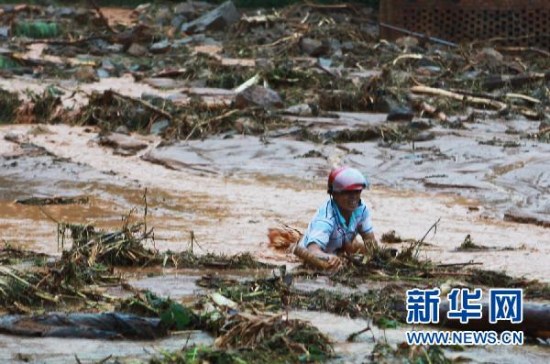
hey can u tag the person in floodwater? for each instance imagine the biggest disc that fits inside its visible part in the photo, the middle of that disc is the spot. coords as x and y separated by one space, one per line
339 220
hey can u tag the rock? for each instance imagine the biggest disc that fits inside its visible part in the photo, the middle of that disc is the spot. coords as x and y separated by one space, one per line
244 125
407 42
163 16
185 8
490 57
428 70
160 47
159 126
300 110
313 47
257 96
397 112
15 138
191 9
107 65
348 46
86 74
137 50
102 73
218 19
423 136
177 21
400 114
163 82
4 32
65 12
420 124
122 143
122 129
335 45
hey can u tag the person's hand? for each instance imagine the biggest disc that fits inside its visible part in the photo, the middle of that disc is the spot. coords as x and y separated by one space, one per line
334 262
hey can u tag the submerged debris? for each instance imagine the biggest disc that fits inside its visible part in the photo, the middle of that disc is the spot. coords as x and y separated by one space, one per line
276 334
41 201
385 353
107 326
9 104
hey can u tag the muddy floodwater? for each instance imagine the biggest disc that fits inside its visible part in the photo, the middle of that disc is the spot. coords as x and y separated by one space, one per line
228 203
229 207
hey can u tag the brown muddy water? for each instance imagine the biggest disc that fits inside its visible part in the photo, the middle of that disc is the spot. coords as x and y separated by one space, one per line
229 190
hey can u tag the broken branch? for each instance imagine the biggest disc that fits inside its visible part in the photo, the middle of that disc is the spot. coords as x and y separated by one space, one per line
459 97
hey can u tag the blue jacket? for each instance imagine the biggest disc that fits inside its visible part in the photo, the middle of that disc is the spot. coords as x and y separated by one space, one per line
329 230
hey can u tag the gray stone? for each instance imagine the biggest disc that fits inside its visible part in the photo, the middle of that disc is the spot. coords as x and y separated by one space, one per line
407 42
177 21
400 113
420 124
160 47
313 47
107 65
218 19
122 129
424 136
258 96
348 46
4 32
137 50
490 57
122 143
335 45
300 109
102 73
191 9
159 126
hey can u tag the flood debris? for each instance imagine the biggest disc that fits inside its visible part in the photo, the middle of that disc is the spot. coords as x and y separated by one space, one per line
273 333
12 255
56 200
265 338
9 104
536 317
122 143
403 353
391 237
109 326
110 110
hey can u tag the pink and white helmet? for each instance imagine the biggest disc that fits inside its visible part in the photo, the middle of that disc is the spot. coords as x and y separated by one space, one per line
346 179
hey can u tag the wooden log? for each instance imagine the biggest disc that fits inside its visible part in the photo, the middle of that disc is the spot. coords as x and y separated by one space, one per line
494 82
456 96
536 321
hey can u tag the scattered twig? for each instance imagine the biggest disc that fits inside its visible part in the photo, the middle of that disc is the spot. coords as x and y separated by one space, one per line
206 122
417 245
354 335
494 82
330 6
419 35
143 103
459 97
145 212
524 49
458 264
